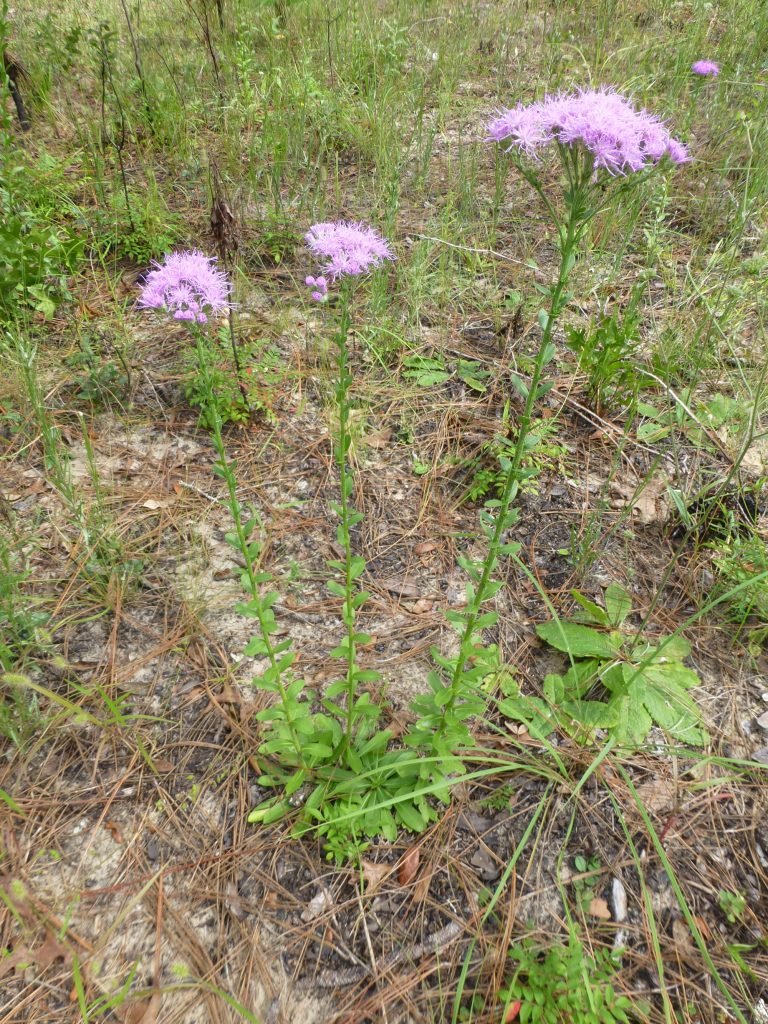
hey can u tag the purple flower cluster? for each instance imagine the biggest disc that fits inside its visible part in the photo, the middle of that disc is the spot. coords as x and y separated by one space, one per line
706 67
188 285
320 286
620 138
346 248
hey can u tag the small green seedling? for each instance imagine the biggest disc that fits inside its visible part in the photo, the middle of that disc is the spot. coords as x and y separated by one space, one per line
732 904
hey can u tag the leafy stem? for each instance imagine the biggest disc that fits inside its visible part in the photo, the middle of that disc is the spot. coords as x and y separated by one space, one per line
483 587
351 566
251 579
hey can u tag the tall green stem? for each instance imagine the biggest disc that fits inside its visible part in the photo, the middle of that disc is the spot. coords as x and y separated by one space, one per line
569 235
351 566
346 483
224 469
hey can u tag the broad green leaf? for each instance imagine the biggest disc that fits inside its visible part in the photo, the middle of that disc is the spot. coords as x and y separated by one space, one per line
594 612
670 675
674 648
554 689
317 750
409 816
430 378
633 723
618 604
532 711
578 641
580 677
594 714
677 715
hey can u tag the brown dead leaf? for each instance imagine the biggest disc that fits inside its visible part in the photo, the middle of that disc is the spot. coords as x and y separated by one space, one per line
114 830
650 505
425 547
320 903
681 934
658 794
22 956
374 874
401 587
50 951
703 927
153 504
599 908
145 1011
421 889
409 865
378 438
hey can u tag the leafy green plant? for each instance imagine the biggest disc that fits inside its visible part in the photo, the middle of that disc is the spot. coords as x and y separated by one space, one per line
21 718
607 354
732 904
213 382
134 226
428 371
22 621
567 985
547 456
584 887
35 257
741 561
618 681
97 378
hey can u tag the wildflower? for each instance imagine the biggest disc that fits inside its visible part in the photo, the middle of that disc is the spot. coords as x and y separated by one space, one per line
706 67
319 286
347 248
188 285
618 137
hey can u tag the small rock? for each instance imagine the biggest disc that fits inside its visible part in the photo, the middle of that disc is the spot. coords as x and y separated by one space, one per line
761 755
763 720
485 866
318 905
619 900
471 821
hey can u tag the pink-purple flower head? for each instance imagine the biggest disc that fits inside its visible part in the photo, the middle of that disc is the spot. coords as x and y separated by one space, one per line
707 68
345 248
319 287
618 137
188 285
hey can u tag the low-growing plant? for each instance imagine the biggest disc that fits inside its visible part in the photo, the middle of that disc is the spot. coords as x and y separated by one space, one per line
584 887
619 682
22 620
487 475
133 226
97 377
427 371
607 353
236 397
732 904
740 560
555 984
35 257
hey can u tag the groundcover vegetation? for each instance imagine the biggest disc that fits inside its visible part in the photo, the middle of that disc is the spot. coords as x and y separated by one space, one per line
383 566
